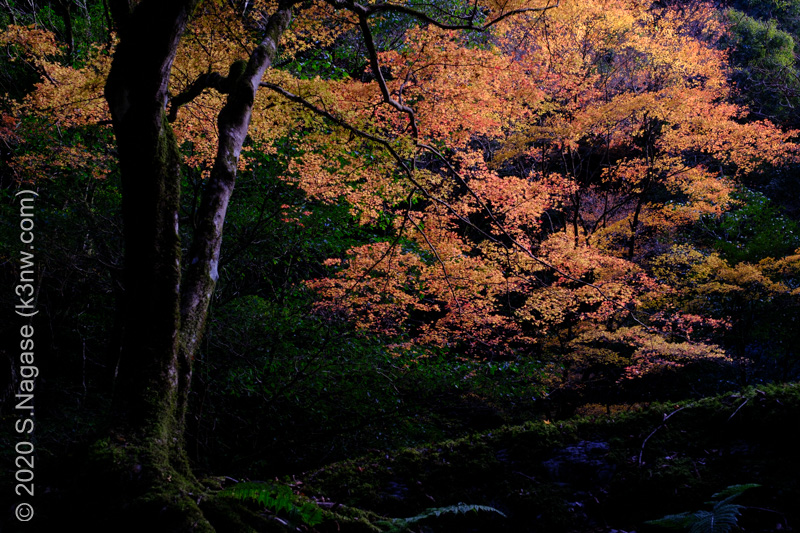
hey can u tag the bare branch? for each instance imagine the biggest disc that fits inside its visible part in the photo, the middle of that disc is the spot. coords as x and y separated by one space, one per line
203 82
663 423
383 8
321 112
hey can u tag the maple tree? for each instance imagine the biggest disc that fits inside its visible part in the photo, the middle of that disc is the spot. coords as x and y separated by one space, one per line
596 144
522 180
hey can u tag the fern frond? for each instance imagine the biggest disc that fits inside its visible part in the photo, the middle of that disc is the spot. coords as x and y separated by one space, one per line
674 521
276 498
460 508
729 493
721 520
723 517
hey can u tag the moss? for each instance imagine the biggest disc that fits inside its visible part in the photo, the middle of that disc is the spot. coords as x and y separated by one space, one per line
351 519
103 451
132 487
706 445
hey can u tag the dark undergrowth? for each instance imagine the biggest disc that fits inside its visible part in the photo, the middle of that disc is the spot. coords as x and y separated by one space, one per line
586 473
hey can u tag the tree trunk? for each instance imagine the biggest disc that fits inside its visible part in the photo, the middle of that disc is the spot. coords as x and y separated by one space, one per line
164 316
149 160
63 9
232 124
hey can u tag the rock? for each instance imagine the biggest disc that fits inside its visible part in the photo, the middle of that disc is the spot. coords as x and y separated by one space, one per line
583 465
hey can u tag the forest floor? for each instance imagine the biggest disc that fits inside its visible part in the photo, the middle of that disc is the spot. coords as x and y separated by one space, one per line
726 459
592 473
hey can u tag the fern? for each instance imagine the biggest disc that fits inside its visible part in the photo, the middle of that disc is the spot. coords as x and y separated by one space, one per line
729 493
397 525
723 517
277 498
721 520
674 521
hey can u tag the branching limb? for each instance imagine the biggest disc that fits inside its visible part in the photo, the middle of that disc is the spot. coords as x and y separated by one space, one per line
372 9
210 80
383 8
376 70
203 82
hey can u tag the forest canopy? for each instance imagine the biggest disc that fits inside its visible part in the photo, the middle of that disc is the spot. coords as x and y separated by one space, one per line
274 235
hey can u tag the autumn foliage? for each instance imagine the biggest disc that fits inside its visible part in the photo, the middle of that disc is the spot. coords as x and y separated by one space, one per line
552 167
525 203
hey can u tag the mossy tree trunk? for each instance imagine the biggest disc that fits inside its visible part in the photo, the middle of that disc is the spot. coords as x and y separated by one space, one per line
150 163
164 311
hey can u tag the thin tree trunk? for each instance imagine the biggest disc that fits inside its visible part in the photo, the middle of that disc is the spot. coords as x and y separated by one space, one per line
63 9
634 225
202 271
576 200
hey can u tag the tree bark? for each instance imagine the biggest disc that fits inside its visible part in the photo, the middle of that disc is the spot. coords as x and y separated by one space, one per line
136 91
147 408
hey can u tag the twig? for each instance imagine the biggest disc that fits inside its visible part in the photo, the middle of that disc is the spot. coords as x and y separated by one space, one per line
524 475
663 423
737 409
439 259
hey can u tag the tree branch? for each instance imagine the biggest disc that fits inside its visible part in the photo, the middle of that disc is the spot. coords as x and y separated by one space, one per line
663 423
376 70
233 121
210 80
410 176
382 8
203 82
371 9
439 259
